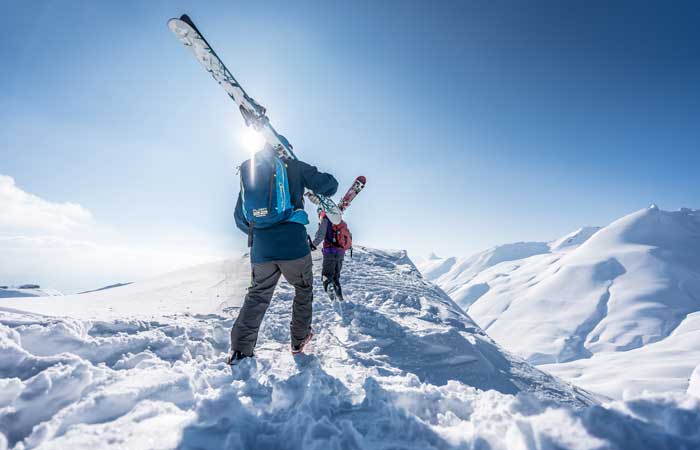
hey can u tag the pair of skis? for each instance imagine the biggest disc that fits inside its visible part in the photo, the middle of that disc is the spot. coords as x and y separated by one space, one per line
253 113
349 196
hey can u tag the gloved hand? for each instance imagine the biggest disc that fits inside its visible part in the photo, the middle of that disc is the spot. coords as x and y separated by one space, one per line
311 244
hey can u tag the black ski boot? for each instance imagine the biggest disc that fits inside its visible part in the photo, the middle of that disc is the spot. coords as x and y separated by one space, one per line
329 287
338 292
296 349
235 357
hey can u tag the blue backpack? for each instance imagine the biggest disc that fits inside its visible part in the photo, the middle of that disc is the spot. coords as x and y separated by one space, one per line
265 193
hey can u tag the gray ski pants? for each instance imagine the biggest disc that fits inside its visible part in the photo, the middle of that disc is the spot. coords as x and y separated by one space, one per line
264 278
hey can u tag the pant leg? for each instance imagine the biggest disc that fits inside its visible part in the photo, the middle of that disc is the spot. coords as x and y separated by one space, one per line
338 267
328 270
328 267
299 274
244 333
336 276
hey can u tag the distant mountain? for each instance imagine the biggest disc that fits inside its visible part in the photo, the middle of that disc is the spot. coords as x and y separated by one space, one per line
27 290
453 274
621 301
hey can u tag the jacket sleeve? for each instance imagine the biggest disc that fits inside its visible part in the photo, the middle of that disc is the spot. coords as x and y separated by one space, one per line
241 222
321 233
319 182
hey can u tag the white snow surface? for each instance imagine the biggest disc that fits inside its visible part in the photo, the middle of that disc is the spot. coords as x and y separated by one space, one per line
12 292
614 310
694 385
398 365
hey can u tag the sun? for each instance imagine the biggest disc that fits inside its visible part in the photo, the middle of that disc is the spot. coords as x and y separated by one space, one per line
252 140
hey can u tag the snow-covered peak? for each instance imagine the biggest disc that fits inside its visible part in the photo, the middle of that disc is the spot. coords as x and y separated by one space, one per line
432 269
673 233
633 284
463 268
27 291
453 274
574 239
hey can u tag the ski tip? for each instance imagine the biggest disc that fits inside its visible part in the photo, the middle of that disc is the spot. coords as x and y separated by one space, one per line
183 18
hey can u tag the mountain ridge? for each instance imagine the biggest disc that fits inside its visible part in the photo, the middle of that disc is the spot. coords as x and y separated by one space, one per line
610 290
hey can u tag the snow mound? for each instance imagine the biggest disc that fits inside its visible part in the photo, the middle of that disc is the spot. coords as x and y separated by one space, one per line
452 274
17 292
141 366
200 289
574 239
694 383
613 301
398 365
435 266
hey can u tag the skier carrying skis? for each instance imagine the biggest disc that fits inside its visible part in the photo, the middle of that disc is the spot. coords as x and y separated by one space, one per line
336 240
270 210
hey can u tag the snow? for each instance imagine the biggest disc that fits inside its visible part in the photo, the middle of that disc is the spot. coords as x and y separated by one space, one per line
11 292
454 275
574 239
201 289
694 385
614 310
399 365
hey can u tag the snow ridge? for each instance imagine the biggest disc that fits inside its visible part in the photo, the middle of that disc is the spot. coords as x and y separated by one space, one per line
620 290
397 366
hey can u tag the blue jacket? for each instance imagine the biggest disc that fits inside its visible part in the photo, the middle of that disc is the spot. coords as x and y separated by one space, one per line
288 240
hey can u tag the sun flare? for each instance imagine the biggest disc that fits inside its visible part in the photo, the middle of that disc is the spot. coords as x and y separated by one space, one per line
252 140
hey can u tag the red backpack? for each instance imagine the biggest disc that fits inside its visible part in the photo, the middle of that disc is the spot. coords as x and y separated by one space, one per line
342 238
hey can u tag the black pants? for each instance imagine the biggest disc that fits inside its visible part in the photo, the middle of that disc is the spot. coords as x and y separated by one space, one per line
265 276
332 265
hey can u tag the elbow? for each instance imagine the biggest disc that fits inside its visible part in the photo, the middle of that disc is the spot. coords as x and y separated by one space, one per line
332 187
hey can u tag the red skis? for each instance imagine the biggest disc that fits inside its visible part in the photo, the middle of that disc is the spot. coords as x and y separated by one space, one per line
355 189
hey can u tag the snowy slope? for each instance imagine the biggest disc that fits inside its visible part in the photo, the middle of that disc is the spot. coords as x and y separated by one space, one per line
198 290
694 385
618 301
14 292
415 325
397 366
663 366
453 274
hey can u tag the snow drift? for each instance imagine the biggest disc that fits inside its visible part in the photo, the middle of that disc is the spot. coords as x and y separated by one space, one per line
622 301
398 365
12 292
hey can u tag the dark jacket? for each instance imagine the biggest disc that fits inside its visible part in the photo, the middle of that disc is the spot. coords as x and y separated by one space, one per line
288 240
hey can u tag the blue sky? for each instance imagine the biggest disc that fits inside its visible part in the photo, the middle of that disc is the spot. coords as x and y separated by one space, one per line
476 123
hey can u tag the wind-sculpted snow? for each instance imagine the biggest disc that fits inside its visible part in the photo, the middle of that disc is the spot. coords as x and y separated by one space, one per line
11 292
398 365
694 384
611 308
453 274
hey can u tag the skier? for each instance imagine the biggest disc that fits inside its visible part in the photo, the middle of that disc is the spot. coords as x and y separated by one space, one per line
270 210
336 240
